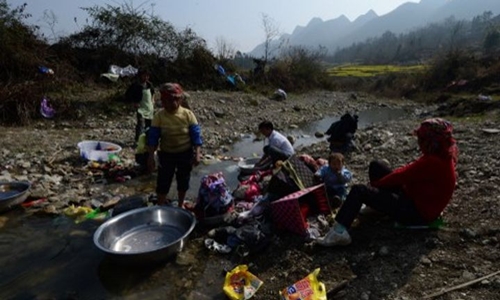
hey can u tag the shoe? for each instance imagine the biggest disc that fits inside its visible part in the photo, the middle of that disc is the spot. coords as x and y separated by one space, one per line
368 211
334 238
213 246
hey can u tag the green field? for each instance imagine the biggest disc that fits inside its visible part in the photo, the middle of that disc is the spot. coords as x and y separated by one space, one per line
371 70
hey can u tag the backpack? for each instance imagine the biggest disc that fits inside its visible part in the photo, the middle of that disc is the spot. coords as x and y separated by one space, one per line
214 197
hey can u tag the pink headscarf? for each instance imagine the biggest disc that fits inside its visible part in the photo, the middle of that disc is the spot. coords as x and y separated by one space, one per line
435 137
172 90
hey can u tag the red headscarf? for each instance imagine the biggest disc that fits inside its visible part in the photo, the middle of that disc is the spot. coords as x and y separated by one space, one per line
173 90
435 137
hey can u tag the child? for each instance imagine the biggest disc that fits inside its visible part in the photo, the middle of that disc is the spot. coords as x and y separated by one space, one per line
141 152
335 176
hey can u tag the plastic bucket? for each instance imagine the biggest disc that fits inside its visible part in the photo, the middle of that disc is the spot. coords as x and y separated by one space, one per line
97 150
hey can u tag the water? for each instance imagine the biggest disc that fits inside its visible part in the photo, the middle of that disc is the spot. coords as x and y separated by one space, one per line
147 238
53 257
248 147
304 135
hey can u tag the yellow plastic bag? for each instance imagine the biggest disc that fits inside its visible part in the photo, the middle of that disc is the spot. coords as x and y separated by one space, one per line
241 284
76 211
308 288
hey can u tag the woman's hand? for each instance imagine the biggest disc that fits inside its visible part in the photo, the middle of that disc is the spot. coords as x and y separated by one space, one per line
196 159
196 156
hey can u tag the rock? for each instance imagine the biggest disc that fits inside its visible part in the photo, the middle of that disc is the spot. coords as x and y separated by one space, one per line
468 233
50 209
425 261
384 251
319 134
468 276
219 113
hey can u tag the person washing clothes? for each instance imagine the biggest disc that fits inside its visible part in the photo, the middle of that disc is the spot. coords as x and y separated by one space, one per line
278 147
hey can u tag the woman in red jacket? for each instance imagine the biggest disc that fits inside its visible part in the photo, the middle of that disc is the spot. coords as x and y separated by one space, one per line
415 194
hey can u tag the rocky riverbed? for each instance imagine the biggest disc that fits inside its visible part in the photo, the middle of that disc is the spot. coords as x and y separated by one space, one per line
382 263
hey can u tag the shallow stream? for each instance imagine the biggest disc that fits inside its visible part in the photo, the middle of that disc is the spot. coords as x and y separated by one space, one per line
53 257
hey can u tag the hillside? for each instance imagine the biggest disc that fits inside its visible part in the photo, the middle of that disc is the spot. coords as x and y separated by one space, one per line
340 32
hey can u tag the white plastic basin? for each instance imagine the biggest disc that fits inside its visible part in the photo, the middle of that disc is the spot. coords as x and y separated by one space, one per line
98 150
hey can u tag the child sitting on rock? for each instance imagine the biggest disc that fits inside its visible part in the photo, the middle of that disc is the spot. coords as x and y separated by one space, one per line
335 177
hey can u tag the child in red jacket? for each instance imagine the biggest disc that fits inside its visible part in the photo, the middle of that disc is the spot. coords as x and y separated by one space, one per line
415 194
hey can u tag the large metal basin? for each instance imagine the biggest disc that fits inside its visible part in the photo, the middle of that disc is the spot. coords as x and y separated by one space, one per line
13 193
145 236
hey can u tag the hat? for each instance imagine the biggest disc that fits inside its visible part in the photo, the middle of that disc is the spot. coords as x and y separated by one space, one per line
173 90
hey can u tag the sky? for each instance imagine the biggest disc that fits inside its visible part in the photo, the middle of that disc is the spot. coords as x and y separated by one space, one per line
237 22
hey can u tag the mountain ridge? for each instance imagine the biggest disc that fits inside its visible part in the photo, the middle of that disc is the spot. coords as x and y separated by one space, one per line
341 32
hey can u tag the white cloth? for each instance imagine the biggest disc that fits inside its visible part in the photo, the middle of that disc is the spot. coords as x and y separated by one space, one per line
279 141
123 72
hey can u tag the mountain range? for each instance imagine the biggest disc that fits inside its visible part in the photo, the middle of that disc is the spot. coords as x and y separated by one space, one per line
341 32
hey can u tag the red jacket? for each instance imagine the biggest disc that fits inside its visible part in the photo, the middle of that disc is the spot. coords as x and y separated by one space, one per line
429 182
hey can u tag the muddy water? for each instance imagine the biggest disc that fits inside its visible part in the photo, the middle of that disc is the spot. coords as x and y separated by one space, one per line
54 258
46 257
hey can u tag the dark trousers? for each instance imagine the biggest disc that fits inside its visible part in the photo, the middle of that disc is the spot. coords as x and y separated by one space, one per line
141 125
178 164
142 160
392 202
275 153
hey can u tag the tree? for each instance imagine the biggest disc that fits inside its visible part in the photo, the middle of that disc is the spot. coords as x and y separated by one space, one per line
20 48
491 41
51 20
133 30
224 49
271 31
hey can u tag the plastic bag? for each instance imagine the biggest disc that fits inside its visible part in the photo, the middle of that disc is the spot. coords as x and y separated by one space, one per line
308 288
241 284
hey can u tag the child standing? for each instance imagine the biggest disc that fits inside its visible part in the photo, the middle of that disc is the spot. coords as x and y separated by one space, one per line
142 153
335 177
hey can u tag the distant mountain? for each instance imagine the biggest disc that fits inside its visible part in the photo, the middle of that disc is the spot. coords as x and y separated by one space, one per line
341 32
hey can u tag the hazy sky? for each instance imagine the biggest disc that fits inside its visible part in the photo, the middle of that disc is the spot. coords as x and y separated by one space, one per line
238 22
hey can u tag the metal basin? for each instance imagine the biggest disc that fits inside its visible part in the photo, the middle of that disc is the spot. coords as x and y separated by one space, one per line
13 193
248 166
145 236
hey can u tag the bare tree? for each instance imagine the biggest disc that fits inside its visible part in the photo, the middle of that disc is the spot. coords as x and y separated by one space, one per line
51 20
224 49
271 31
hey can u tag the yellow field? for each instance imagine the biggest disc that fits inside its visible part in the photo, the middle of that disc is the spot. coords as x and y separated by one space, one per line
372 70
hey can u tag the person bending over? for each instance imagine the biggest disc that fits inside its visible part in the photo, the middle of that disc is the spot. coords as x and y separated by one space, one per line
278 147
